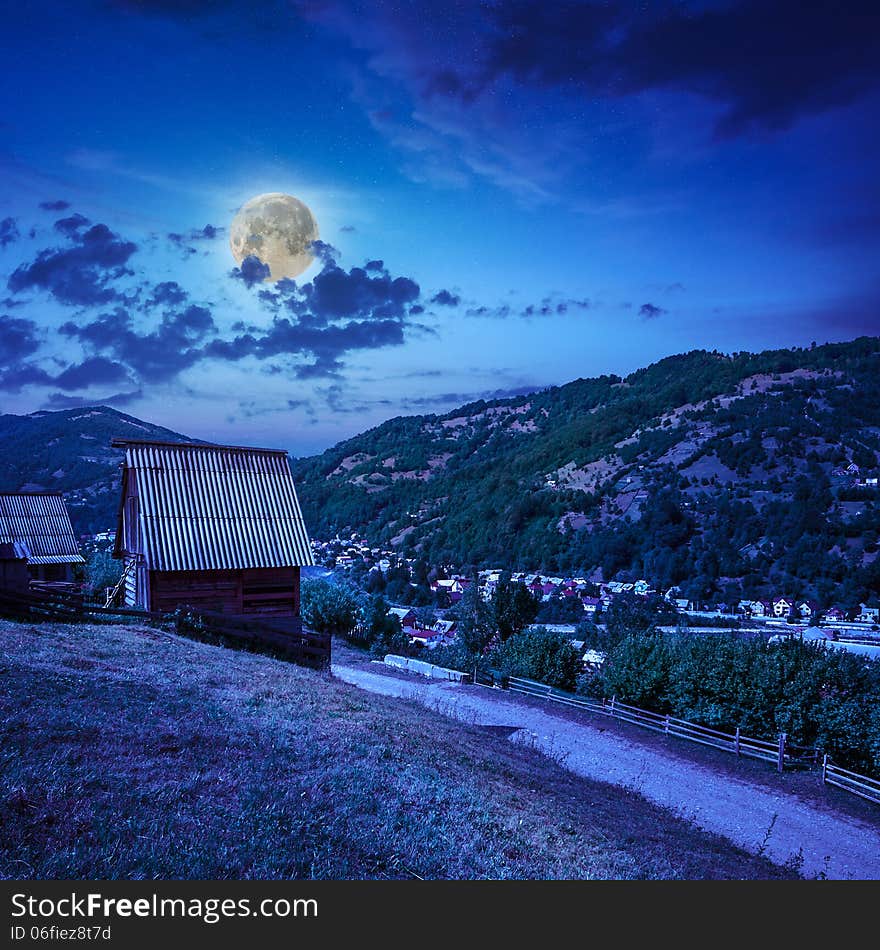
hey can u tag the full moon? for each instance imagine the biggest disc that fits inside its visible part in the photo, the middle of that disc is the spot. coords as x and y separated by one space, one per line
277 229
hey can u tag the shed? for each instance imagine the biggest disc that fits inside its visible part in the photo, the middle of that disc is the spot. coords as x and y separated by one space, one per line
38 527
214 527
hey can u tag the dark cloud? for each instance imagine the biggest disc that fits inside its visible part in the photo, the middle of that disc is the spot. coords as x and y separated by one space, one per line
167 294
458 399
548 307
185 242
81 274
71 225
446 299
323 367
327 343
18 340
59 205
650 311
57 401
155 356
448 84
348 229
339 293
13 380
252 271
8 231
94 371
766 62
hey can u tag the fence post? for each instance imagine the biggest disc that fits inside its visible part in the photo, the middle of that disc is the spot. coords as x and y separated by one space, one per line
736 741
666 725
824 768
781 760
612 704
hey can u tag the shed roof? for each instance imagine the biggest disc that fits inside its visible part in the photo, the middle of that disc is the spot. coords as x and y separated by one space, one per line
214 507
38 525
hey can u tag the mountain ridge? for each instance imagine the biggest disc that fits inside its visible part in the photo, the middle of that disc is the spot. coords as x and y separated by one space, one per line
721 474
705 470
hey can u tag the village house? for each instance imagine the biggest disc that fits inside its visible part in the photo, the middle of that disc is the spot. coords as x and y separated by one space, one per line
834 615
35 527
214 527
869 614
808 609
407 618
782 606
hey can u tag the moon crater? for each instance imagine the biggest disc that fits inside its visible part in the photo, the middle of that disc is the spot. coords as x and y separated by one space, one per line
277 229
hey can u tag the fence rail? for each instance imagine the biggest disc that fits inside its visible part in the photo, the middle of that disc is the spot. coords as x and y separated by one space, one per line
780 752
45 602
852 782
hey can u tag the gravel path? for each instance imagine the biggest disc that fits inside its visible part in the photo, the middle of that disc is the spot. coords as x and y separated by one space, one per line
750 815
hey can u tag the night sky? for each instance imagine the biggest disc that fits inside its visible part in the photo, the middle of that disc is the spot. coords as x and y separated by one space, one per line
509 195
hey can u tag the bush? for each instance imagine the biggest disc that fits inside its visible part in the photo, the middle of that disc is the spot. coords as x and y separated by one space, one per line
818 695
329 608
102 570
540 655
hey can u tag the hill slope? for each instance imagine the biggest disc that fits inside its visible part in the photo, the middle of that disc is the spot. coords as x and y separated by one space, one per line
161 757
709 471
69 451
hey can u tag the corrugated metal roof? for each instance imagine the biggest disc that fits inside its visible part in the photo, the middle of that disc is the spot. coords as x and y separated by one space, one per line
215 507
40 524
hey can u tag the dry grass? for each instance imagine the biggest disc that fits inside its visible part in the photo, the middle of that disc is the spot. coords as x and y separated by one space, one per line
130 753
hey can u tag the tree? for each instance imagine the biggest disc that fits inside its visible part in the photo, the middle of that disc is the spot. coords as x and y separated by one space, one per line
475 622
513 608
383 632
329 608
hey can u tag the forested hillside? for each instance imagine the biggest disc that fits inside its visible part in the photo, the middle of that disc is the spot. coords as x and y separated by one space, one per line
69 451
723 474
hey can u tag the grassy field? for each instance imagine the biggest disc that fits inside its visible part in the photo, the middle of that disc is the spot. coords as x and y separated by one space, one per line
127 752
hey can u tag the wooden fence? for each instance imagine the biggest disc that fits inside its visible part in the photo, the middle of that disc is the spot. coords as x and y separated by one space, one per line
781 753
852 782
46 602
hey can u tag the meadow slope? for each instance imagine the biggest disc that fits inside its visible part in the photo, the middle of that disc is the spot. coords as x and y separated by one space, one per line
129 752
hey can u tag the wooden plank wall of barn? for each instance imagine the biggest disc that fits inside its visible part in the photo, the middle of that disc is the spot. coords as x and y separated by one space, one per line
263 592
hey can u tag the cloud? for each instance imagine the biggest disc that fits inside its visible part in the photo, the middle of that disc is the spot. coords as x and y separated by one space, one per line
59 205
56 401
94 371
81 274
16 378
348 229
252 271
8 231
71 225
447 84
18 339
446 299
457 399
767 63
550 306
155 356
650 311
166 294
185 242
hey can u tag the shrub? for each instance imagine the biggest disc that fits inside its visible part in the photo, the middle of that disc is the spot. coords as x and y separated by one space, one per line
540 655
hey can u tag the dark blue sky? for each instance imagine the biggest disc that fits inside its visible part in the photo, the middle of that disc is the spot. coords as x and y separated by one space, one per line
512 194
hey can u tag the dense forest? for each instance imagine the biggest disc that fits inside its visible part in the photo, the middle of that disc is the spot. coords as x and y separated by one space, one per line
724 475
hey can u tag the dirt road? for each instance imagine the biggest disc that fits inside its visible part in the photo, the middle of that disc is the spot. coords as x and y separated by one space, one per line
779 825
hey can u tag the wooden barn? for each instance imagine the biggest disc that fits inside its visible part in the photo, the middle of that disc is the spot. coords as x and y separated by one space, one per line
214 527
35 528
